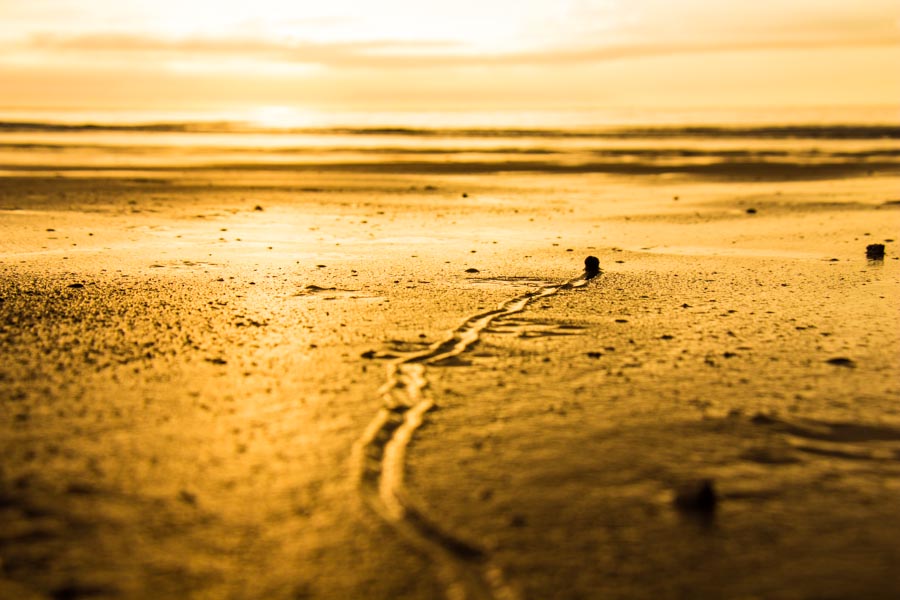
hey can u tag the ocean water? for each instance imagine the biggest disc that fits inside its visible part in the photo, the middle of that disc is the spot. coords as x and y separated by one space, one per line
627 142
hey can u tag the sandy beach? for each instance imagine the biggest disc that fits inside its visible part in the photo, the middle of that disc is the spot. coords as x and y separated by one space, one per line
396 383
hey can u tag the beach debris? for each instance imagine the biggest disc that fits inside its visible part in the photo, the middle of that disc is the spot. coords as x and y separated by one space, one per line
258 208
842 361
591 267
76 286
751 211
875 251
594 354
697 496
472 270
465 195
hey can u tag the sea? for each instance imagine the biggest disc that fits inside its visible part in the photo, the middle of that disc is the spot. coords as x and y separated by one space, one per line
714 142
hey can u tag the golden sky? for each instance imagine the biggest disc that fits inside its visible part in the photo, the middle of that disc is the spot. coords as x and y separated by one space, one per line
440 54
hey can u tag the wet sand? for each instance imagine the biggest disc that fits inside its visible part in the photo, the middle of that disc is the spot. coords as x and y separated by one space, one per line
199 396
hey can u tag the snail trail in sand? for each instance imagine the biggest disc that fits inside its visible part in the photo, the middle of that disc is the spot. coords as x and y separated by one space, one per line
465 569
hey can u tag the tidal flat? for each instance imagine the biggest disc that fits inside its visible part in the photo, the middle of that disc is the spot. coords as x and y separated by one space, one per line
366 383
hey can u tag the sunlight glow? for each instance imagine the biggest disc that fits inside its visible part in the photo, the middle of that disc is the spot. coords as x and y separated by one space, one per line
400 53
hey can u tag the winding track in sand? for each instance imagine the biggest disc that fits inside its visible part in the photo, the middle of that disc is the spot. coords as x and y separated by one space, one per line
465 569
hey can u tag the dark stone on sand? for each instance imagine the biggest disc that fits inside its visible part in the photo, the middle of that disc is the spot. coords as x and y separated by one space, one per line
472 270
465 195
594 354
696 496
258 208
667 337
751 211
842 361
370 354
762 419
76 286
591 267
875 251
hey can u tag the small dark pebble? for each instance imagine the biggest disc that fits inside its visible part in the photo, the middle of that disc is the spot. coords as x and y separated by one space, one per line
762 419
751 211
842 361
697 496
76 286
594 354
621 320
875 251
217 361
472 270
591 267
667 337
368 354
465 195
258 208
187 497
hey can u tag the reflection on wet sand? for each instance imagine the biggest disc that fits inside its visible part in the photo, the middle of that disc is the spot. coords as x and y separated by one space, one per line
381 385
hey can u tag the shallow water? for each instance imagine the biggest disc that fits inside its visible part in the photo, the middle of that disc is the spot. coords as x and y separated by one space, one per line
738 150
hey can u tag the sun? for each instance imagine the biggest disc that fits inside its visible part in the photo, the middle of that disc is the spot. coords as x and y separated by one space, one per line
281 117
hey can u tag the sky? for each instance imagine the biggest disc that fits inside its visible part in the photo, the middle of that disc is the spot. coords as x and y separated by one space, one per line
448 54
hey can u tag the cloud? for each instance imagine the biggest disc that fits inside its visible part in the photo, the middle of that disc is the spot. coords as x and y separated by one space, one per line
385 54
